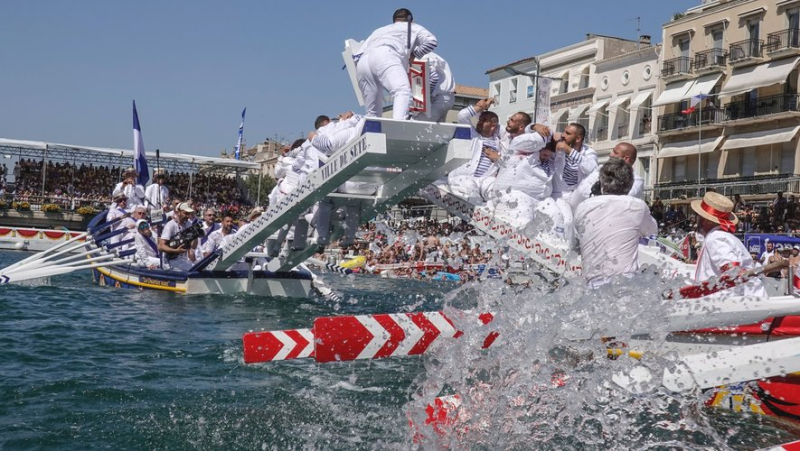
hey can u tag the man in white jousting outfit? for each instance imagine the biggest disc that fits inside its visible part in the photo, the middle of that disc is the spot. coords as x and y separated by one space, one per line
608 226
525 181
722 252
384 60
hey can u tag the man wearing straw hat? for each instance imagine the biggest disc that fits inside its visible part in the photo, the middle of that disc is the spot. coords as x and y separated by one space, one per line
722 252
132 190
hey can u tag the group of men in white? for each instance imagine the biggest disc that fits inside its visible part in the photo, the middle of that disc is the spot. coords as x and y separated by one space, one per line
130 228
524 173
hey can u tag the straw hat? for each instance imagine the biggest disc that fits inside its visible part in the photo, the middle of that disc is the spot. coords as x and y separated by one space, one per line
118 194
130 171
718 209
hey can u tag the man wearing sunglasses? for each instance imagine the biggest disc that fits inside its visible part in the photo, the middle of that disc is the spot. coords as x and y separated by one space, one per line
147 253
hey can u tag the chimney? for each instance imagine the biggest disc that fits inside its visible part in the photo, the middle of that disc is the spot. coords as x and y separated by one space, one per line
644 40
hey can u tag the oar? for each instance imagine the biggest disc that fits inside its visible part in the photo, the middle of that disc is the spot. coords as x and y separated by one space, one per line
46 262
55 271
728 281
46 252
329 266
720 367
324 291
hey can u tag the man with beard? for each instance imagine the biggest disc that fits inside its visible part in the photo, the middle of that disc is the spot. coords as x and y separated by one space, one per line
219 238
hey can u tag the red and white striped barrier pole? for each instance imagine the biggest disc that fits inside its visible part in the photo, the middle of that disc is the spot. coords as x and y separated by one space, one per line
345 338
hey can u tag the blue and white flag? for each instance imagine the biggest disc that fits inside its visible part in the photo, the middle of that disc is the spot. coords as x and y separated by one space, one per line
696 99
139 158
237 152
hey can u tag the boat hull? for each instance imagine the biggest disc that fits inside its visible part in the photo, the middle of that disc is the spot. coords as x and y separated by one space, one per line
295 284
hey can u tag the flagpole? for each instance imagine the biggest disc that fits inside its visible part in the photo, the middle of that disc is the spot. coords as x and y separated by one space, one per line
699 143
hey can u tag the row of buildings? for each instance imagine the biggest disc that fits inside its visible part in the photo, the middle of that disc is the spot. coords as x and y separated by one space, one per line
715 105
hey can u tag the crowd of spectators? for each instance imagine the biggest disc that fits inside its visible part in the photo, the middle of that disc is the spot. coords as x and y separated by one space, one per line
71 186
779 215
405 247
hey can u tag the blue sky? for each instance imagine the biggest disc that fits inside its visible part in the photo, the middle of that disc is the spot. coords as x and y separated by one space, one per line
70 69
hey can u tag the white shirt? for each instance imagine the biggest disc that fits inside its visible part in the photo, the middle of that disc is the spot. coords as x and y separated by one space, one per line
145 253
395 37
134 193
170 230
155 197
114 213
723 252
579 164
216 240
442 80
608 228
584 189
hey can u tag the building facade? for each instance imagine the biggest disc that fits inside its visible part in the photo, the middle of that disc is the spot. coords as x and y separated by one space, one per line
622 105
569 72
728 100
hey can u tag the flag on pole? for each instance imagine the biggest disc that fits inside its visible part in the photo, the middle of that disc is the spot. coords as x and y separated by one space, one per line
696 99
139 158
237 152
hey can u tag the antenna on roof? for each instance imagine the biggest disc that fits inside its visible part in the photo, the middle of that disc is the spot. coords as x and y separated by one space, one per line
638 20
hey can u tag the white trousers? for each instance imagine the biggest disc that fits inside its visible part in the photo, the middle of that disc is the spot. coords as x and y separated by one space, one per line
563 203
473 189
381 69
440 105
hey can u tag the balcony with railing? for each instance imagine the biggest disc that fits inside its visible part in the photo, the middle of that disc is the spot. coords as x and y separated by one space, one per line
677 121
761 107
748 51
710 61
745 186
783 43
677 67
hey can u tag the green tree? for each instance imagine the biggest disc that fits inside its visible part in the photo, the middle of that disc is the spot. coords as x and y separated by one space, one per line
267 183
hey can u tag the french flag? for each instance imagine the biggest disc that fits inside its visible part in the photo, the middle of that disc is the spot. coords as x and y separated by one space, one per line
237 152
139 158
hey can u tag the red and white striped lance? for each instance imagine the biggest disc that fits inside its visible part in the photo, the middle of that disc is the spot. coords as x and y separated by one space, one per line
791 446
344 338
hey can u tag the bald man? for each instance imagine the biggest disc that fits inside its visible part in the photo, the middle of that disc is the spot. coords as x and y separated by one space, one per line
627 153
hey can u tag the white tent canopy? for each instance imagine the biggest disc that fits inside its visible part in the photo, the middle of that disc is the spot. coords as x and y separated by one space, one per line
703 86
126 153
640 99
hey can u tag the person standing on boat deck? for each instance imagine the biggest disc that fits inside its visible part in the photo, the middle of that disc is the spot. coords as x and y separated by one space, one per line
722 252
147 253
220 237
180 258
384 60
474 179
626 152
609 226
132 190
580 161
209 226
157 194
119 210
442 89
